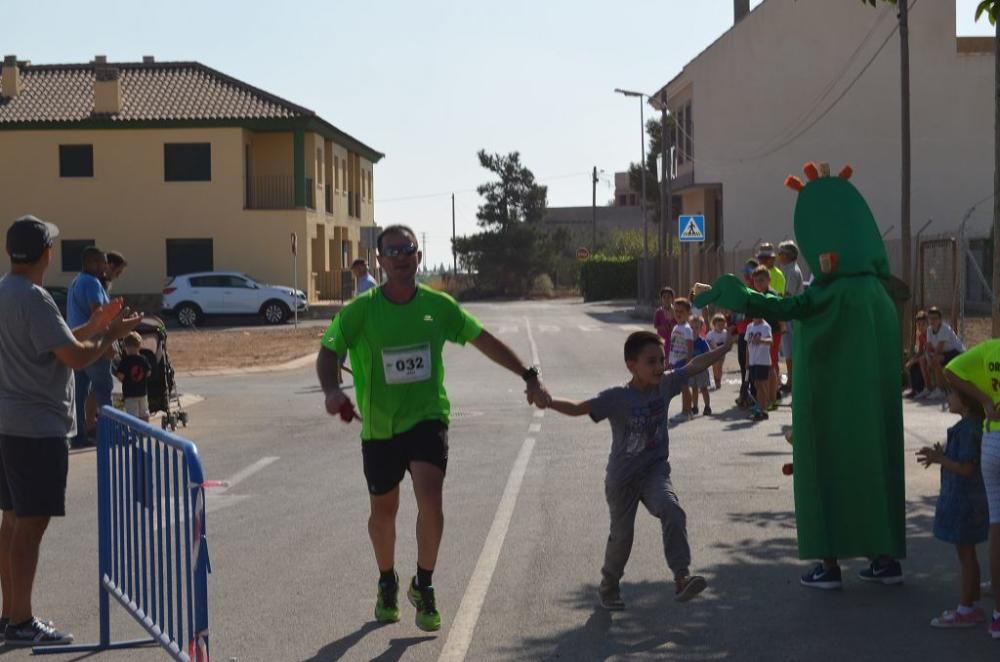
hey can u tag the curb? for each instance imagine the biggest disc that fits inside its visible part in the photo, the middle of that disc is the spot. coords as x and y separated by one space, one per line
228 372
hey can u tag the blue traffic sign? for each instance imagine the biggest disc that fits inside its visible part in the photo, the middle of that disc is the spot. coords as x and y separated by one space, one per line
691 228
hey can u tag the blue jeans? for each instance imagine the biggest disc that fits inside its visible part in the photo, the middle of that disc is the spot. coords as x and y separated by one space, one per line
94 378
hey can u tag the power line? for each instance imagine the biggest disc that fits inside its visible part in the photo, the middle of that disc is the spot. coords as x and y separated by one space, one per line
426 196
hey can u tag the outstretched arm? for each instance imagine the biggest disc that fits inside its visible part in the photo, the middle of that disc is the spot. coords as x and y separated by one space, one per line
498 352
730 293
570 408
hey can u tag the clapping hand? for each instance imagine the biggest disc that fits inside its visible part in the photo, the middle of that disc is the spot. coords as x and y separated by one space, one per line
929 455
102 316
123 322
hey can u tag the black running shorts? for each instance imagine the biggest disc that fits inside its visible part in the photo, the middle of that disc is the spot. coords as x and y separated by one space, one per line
387 460
33 476
760 373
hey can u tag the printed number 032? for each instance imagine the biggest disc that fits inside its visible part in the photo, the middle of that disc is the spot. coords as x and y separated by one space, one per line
409 365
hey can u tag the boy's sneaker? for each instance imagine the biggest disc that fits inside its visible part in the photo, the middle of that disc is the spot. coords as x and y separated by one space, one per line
427 619
707 411
387 602
822 577
688 587
995 628
759 415
953 619
882 572
610 597
35 633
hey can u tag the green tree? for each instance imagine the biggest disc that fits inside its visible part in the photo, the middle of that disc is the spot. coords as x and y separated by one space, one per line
654 148
516 198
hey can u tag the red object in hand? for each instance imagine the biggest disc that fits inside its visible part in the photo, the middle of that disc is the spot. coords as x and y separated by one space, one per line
347 413
787 469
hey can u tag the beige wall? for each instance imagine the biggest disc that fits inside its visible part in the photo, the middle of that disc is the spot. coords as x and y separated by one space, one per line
751 88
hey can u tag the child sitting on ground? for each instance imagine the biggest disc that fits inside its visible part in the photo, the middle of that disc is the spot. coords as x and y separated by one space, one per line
916 366
133 372
961 517
638 467
699 382
759 341
717 338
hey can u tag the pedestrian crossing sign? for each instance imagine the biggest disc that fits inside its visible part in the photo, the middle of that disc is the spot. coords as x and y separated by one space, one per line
691 228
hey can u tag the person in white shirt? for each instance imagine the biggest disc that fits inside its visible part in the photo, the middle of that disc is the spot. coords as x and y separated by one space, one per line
943 344
682 346
788 256
359 268
759 339
717 338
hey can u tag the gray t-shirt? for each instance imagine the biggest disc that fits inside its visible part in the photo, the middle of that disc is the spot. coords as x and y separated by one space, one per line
638 425
794 283
36 388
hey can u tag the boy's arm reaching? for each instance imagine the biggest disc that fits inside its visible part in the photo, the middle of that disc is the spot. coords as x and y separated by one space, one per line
570 408
704 361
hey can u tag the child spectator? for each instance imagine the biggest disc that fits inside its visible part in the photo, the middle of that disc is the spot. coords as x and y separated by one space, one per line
961 517
663 318
697 312
742 322
759 341
942 346
699 382
717 338
638 467
133 372
682 346
916 366
762 283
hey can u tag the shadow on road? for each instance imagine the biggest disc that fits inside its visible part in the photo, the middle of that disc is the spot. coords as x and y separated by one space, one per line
754 608
336 650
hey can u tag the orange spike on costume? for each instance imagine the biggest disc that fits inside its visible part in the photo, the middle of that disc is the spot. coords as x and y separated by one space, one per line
812 172
846 172
794 183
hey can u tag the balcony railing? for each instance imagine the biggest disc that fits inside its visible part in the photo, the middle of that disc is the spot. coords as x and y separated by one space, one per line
270 192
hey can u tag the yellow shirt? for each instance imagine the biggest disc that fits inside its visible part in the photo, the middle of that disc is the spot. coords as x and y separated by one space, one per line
777 280
980 366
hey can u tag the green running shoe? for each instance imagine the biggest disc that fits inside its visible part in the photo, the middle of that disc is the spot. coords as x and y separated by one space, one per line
387 602
427 619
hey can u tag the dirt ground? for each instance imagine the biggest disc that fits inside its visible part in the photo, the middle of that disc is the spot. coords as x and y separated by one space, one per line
977 329
213 349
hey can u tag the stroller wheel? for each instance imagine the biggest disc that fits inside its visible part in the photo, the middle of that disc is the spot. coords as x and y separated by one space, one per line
183 418
163 422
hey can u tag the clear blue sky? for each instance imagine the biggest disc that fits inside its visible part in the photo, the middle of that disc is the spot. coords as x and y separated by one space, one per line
428 83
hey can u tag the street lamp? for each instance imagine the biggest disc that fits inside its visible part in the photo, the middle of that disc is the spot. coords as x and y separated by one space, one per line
642 199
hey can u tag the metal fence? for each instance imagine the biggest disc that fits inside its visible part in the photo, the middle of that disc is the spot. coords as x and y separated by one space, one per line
153 553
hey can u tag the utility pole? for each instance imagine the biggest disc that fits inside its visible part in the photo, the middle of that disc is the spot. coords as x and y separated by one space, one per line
593 212
904 208
454 255
666 205
996 193
423 244
643 290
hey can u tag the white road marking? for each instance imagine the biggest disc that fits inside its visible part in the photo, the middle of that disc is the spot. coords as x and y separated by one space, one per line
460 635
631 327
243 474
462 629
548 328
535 427
539 413
507 328
588 328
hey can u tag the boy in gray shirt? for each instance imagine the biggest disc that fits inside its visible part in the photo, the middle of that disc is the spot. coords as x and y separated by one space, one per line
638 466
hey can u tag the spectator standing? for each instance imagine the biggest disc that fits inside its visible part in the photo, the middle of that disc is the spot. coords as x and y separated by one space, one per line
762 283
700 381
916 366
682 347
943 345
767 257
38 353
741 322
788 261
717 337
133 372
116 267
759 339
86 294
364 279
663 319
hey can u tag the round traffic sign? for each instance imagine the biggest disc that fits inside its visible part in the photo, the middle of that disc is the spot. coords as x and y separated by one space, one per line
582 253
295 243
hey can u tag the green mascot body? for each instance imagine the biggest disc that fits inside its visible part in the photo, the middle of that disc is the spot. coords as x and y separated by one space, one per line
847 421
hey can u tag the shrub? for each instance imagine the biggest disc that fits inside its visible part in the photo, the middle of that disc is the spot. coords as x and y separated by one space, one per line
604 277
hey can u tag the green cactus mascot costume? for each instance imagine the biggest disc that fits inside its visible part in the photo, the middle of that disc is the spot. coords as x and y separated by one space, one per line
847 420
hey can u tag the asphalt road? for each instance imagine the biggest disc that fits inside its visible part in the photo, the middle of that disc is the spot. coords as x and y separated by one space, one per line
293 575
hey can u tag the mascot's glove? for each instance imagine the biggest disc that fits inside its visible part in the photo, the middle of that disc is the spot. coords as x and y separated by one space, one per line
728 292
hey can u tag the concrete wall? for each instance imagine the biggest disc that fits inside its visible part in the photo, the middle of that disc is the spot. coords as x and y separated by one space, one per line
763 81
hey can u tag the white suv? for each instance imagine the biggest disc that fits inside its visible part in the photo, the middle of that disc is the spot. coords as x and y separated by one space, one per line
193 296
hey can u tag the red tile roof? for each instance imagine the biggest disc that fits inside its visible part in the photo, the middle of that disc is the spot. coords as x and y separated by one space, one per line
151 92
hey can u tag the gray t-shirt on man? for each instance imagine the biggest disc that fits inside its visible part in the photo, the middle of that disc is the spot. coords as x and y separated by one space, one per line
638 425
36 388
794 282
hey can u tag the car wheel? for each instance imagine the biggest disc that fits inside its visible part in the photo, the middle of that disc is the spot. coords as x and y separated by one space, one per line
188 314
275 312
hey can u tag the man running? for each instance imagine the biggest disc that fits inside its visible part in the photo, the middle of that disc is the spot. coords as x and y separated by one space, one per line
395 334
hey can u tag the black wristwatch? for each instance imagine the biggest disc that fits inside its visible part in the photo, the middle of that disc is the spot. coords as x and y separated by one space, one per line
530 374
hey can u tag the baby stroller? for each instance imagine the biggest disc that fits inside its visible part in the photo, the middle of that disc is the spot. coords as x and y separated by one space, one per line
162 389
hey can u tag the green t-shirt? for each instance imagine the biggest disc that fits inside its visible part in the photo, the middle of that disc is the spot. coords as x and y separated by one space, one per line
395 354
777 280
980 366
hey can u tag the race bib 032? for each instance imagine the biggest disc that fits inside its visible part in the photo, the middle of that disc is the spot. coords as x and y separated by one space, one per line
406 365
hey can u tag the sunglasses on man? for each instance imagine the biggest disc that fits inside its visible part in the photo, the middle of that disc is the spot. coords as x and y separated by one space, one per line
396 251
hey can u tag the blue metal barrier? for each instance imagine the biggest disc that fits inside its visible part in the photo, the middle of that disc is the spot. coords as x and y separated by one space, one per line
152 545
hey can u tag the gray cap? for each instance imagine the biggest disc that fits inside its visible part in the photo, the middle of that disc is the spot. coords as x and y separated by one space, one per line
28 237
